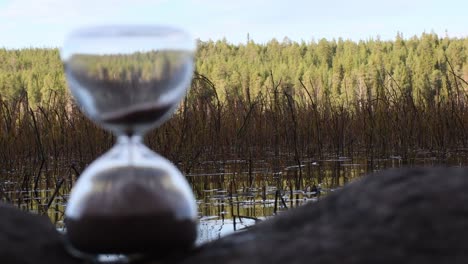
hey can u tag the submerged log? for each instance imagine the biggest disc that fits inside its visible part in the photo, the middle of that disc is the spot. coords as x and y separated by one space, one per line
415 215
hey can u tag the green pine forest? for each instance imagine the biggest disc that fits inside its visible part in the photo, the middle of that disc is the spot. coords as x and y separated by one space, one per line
337 71
301 100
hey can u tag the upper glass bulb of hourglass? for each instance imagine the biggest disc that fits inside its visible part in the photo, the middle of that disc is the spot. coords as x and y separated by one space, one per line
128 78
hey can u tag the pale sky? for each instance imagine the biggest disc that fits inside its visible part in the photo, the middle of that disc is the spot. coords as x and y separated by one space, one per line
45 23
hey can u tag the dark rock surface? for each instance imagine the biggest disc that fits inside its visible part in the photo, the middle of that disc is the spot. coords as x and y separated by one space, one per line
396 216
30 239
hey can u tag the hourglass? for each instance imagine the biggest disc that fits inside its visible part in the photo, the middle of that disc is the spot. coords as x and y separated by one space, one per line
130 79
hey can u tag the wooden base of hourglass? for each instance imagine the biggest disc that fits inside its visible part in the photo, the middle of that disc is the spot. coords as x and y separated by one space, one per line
131 200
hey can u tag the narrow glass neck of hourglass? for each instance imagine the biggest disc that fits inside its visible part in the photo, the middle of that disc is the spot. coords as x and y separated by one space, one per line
130 145
134 139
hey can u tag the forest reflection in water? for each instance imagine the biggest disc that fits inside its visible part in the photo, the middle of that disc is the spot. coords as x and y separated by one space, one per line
232 194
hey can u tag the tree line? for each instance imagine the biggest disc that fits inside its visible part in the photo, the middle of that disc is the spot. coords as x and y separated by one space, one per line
340 72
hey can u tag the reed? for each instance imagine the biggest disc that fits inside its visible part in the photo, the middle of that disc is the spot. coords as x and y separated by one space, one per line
283 125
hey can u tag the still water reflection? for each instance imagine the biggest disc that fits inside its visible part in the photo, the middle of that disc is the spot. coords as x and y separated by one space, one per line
231 195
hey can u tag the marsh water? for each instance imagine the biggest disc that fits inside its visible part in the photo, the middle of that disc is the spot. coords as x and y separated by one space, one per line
231 194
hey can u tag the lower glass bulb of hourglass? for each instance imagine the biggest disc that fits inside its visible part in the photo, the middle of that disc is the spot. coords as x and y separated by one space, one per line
131 200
